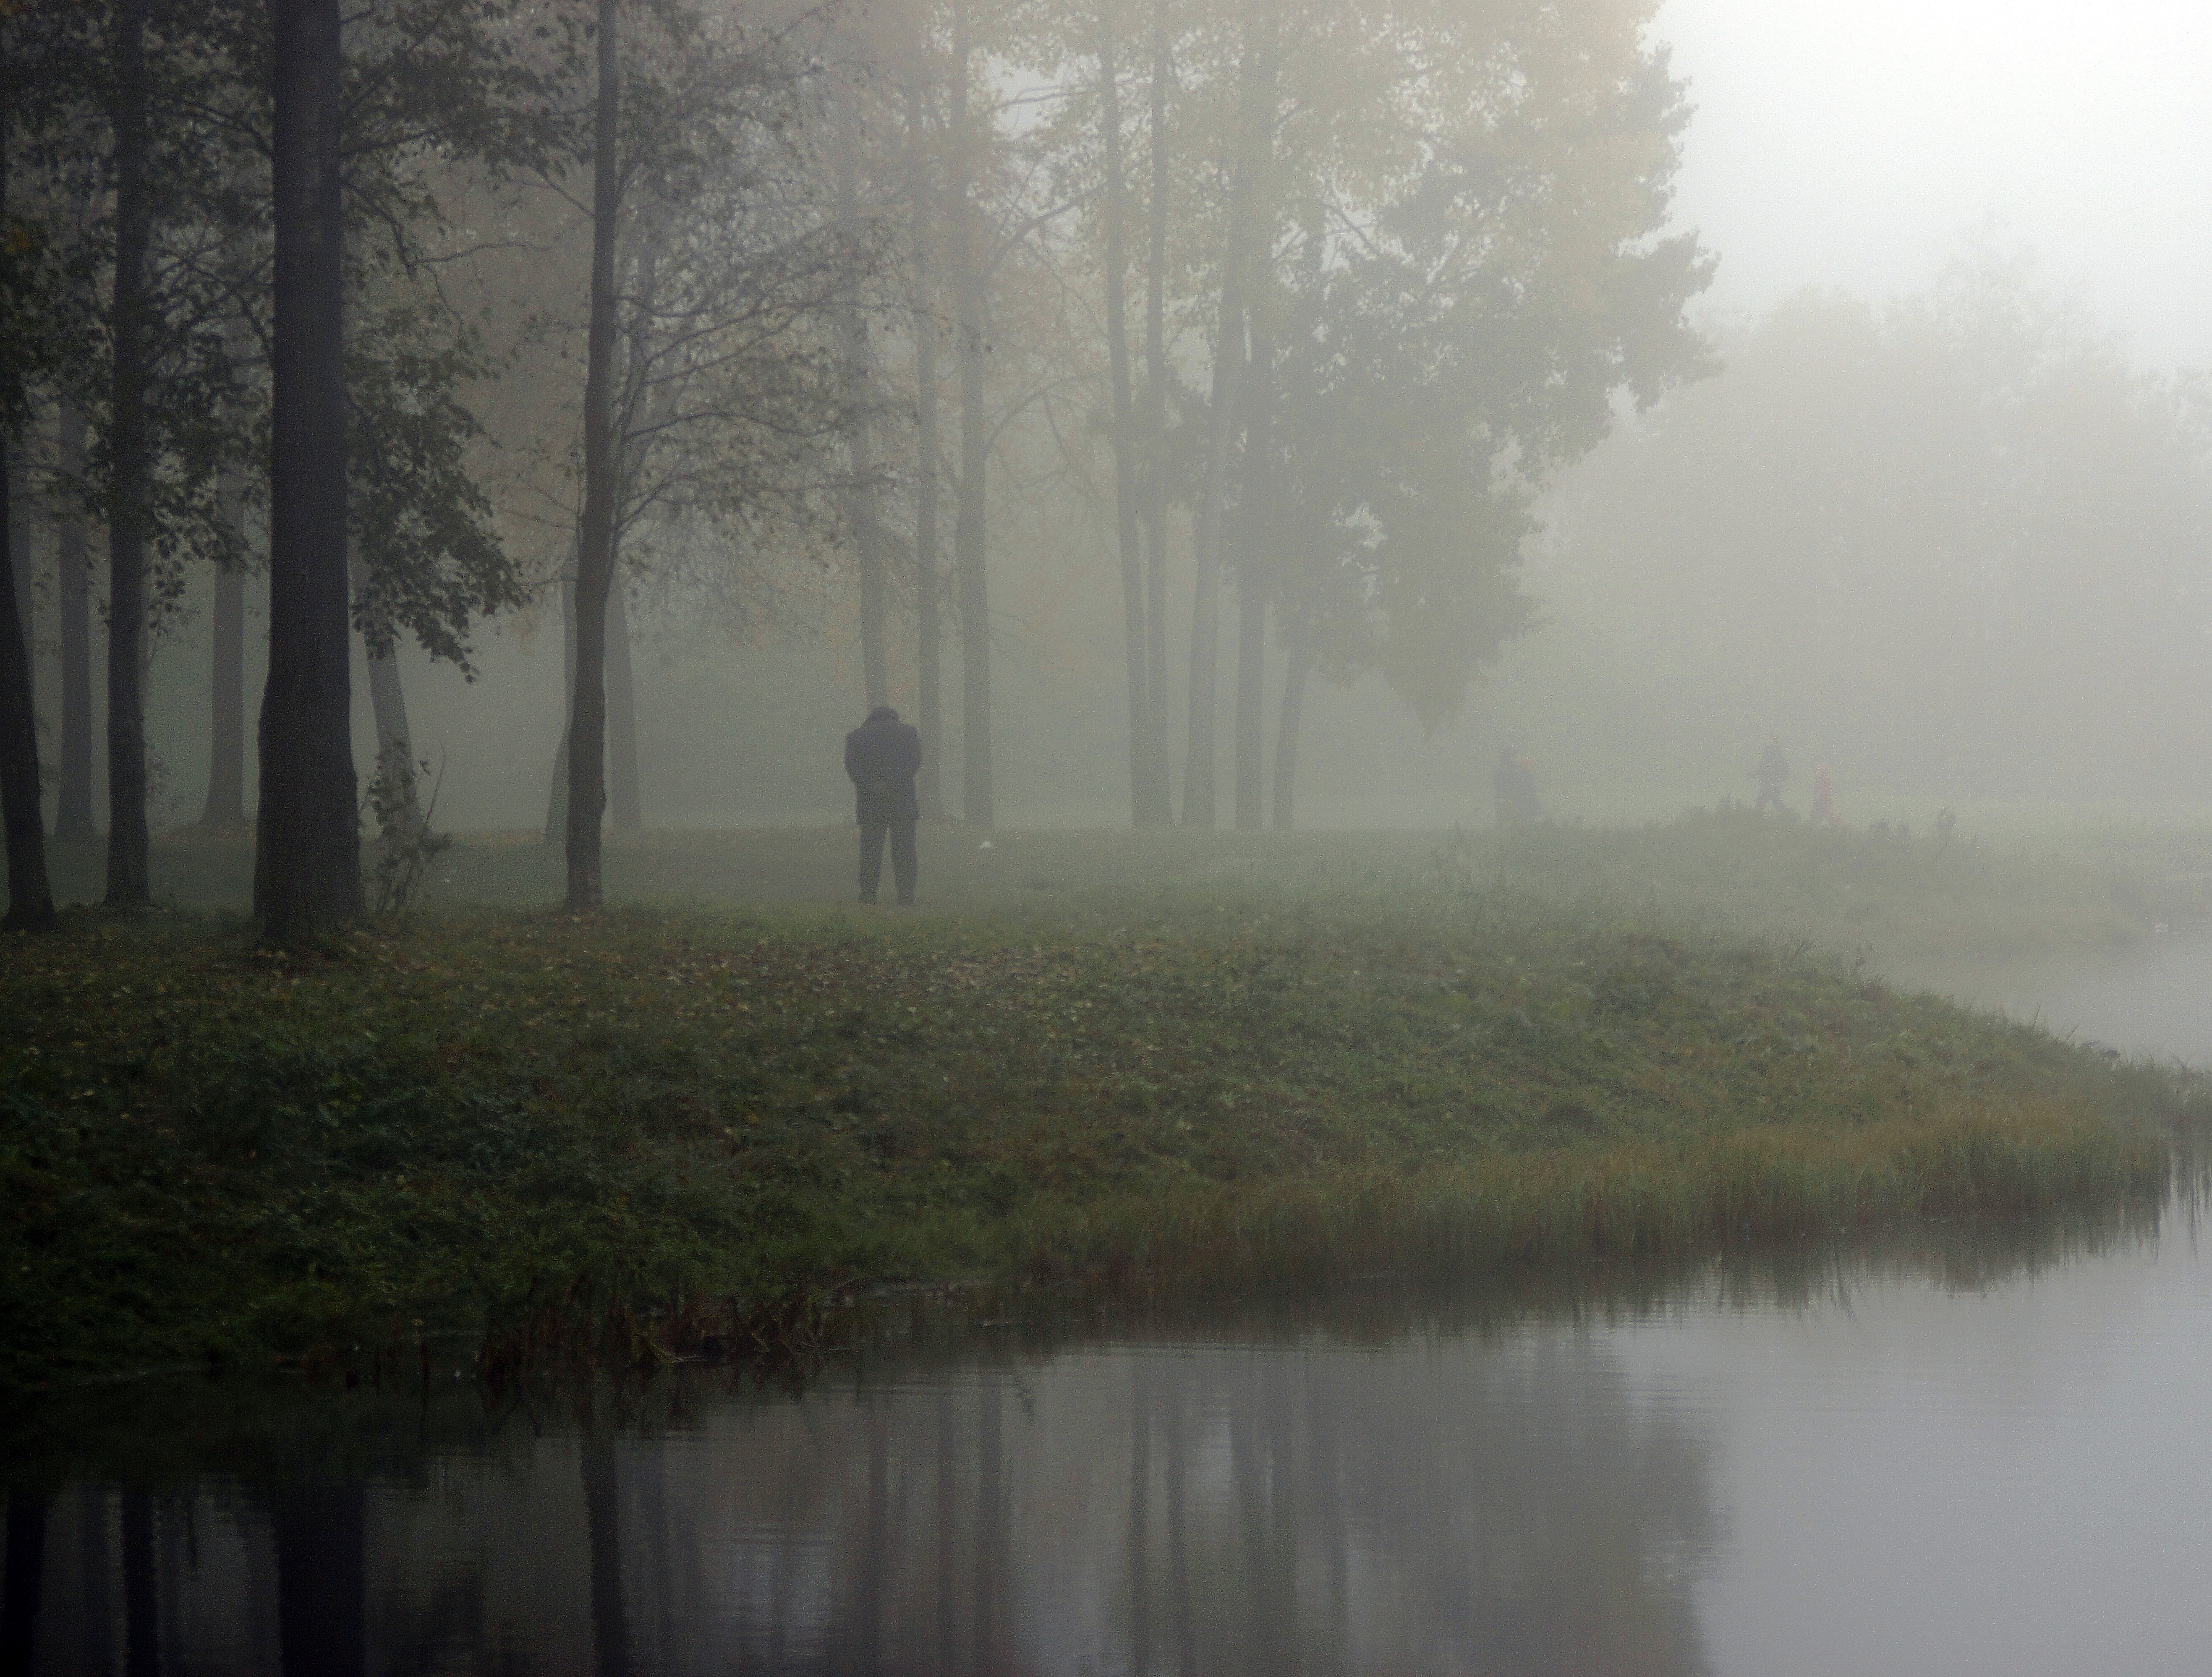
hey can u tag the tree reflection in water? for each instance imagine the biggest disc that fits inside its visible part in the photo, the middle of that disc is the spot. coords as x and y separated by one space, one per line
1439 1504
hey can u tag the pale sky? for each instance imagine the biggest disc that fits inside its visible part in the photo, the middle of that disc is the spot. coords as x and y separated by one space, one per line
1860 144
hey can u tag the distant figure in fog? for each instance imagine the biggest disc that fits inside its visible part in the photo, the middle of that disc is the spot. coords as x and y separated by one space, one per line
1773 769
1518 805
1824 797
883 755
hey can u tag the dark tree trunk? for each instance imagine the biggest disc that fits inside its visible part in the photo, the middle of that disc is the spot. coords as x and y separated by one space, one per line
1253 573
307 871
129 470
30 898
1156 420
1146 788
322 1581
929 673
73 578
226 796
1228 365
626 809
587 716
603 1530
968 548
860 512
20 496
1295 683
557 801
26 1574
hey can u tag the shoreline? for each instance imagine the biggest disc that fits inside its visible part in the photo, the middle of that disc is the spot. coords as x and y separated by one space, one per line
539 1133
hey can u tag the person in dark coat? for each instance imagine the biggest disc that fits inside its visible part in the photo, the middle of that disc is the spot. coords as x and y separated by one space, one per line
883 755
1773 769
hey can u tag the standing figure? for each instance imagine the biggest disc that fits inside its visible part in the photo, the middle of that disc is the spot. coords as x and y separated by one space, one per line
1773 769
1824 797
883 755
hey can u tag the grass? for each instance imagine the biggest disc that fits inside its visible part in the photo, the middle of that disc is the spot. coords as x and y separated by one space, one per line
670 1123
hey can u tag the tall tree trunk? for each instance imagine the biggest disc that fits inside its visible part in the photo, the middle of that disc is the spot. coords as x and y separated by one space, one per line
1155 418
128 467
1145 787
921 196
968 548
73 576
322 1581
587 718
625 807
860 512
1295 682
226 794
1254 566
557 801
19 496
1228 365
30 898
307 870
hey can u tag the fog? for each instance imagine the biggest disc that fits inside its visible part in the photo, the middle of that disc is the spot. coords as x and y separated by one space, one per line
1933 510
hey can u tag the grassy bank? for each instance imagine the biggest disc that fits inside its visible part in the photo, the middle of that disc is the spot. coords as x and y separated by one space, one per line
510 1124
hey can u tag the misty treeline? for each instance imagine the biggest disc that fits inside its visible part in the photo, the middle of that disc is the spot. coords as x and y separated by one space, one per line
452 308
1955 542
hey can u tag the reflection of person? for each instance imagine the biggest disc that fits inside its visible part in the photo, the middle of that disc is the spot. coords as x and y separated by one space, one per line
1514 783
1824 797
1773 769
883 755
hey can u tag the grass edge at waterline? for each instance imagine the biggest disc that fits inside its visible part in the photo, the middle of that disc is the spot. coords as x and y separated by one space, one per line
1639 1201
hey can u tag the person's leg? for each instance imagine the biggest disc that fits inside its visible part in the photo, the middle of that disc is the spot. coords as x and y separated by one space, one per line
872 858
904 866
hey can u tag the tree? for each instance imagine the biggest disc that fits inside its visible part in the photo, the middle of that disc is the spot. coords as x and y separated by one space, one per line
1917 540
724 409
1148 789
129 458
30 898
969 279
308 867
595 542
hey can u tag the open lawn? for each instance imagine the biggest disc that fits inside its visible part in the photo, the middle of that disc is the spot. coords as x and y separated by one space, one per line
1139 1062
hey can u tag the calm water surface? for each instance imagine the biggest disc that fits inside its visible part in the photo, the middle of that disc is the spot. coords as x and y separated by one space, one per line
1948 1457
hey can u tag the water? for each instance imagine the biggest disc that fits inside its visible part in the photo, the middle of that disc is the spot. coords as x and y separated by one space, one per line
1961 1451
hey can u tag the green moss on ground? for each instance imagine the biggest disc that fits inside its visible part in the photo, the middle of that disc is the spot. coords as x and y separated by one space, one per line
501 1123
